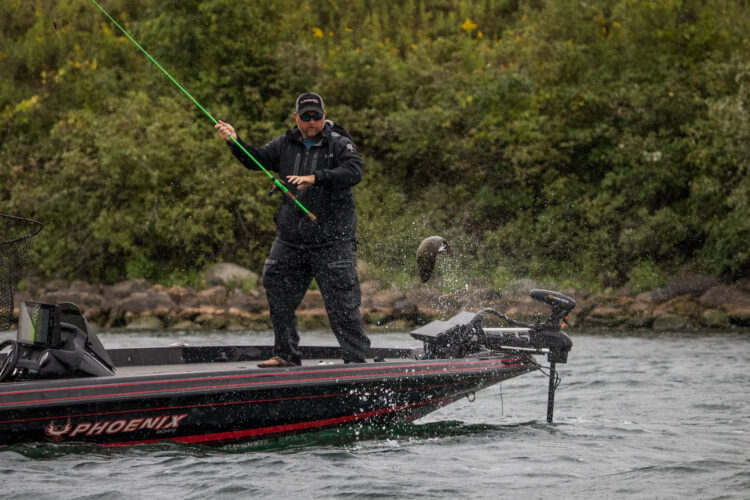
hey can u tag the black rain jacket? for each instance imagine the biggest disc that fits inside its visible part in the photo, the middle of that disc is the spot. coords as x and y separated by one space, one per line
337 167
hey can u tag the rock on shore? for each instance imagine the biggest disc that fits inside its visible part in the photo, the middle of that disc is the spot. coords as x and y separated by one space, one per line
235 300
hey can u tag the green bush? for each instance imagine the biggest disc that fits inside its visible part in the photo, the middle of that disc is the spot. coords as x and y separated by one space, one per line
560 140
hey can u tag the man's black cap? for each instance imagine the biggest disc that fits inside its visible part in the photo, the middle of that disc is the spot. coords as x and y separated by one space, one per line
309 101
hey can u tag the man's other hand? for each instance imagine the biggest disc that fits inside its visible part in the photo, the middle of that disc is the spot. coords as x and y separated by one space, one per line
301 181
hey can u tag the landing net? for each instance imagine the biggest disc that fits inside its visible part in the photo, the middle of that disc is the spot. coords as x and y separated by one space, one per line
15 239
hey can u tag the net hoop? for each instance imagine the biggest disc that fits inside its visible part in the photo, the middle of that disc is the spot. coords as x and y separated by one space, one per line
17 233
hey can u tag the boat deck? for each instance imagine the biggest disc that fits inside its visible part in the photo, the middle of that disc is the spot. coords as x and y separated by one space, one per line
192 359
136 370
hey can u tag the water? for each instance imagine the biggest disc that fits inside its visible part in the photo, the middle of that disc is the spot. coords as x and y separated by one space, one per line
636 417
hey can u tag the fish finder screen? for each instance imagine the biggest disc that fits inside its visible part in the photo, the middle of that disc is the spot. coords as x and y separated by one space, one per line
38 324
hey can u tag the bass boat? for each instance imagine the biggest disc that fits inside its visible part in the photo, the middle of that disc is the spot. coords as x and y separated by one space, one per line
59 384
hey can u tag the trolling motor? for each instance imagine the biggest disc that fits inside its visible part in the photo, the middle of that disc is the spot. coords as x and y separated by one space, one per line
464 334
53 341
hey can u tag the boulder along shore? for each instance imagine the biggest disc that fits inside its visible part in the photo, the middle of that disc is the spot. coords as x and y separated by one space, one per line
234 300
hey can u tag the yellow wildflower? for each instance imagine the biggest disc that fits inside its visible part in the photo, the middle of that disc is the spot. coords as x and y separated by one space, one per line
468 25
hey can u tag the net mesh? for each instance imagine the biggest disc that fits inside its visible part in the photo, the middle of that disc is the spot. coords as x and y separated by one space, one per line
14 247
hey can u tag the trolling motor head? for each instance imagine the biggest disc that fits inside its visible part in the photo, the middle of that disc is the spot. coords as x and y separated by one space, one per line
561 305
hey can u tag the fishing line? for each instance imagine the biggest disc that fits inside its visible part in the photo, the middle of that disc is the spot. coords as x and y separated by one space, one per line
275 180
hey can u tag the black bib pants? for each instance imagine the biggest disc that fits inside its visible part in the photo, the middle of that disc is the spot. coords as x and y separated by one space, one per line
287 274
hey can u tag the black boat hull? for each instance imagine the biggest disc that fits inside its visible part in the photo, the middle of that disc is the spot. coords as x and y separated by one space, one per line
234 401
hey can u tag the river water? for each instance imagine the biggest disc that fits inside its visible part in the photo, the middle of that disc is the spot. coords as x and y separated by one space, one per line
663 416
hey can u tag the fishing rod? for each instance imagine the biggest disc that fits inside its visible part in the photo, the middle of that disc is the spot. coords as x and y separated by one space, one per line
280 185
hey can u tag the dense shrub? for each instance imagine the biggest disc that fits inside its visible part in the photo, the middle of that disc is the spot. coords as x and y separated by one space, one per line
594 142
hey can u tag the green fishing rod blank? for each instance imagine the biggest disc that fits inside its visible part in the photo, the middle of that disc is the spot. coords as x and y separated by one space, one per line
275 180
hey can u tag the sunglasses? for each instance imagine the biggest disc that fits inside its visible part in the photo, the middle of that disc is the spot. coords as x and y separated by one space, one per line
307 117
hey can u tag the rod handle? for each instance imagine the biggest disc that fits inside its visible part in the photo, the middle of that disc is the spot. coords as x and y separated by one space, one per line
286 191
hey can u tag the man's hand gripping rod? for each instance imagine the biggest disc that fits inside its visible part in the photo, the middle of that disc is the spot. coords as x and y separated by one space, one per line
274 179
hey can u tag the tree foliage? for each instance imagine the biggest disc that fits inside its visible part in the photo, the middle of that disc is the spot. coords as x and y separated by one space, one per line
555 139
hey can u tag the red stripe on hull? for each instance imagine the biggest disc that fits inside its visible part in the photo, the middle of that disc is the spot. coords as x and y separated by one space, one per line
208 405
265 375
238 385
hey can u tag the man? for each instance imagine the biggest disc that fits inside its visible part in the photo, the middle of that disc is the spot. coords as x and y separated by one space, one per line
319 166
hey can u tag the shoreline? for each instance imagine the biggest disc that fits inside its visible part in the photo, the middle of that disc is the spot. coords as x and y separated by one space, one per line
687 303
